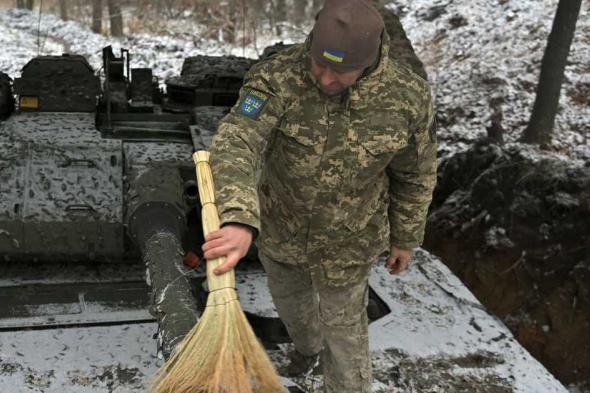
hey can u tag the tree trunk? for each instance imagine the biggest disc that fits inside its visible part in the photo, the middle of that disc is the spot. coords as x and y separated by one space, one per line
20 3
299 7
260 9
231 21
540 128
63 9
116 18
30 4
280 13
97 16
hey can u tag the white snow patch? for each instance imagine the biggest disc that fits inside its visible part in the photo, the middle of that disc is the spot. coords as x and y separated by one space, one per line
497 54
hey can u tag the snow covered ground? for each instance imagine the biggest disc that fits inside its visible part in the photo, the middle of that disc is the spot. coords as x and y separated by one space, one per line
474 51
437 339
478 50
164 54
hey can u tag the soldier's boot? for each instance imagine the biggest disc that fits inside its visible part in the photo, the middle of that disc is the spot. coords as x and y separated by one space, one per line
302 365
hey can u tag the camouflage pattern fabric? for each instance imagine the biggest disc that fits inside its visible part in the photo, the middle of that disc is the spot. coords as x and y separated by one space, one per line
401 49
326 320
349 175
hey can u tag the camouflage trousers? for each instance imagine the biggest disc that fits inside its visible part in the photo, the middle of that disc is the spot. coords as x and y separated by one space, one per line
325 319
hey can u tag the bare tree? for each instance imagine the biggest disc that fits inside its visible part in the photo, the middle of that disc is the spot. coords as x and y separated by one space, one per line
280 14
116 18
258 9
495 130
97 16
299 7
540 128
63 9
230 21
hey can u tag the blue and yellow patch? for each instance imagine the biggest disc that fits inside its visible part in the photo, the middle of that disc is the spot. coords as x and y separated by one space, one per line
336 56
252 103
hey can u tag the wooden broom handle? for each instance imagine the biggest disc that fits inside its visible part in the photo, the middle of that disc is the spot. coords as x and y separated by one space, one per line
210 218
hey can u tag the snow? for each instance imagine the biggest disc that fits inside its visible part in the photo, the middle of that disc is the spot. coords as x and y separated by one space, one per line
434 315
254 295
435 322
497 54
78 360
164 54
496 237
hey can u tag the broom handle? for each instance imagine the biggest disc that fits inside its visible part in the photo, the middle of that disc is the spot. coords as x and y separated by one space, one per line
210 218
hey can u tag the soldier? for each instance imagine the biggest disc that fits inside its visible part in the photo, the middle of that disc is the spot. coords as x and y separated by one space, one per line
341 134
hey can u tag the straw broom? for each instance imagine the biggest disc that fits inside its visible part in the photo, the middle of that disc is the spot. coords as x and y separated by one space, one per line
220 354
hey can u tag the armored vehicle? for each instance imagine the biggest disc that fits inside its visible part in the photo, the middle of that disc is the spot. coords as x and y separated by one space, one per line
96 168
97 183
96 174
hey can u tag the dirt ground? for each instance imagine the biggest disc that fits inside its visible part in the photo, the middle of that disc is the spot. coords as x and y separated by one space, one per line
515 227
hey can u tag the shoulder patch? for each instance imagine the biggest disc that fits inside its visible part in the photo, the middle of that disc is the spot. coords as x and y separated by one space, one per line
252 103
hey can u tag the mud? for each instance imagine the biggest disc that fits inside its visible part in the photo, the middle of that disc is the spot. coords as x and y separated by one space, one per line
109 376
396 372
8 368
441 374
38 380
514 225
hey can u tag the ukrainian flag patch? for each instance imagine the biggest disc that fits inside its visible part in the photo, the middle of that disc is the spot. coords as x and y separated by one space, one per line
336 56
253 103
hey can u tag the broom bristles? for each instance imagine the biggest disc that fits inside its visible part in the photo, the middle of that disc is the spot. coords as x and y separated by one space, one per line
221 354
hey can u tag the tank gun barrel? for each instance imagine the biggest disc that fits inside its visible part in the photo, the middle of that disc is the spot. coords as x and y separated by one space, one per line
155 222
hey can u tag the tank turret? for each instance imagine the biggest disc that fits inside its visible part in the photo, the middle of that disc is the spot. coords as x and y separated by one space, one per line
57 84
101 172
207 81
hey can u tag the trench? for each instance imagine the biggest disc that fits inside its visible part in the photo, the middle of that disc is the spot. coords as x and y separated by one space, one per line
515 228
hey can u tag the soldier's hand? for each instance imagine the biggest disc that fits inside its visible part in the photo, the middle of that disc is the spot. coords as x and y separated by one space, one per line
398 260
231 241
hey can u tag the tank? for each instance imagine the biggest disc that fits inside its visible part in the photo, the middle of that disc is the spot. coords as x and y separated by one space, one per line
100 232
101 173
98 188
96 171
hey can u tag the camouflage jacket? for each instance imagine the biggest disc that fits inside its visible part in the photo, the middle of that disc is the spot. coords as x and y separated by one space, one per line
348 176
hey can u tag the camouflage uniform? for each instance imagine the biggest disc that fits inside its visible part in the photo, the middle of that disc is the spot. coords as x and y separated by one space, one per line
343 179
326 319
401 49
